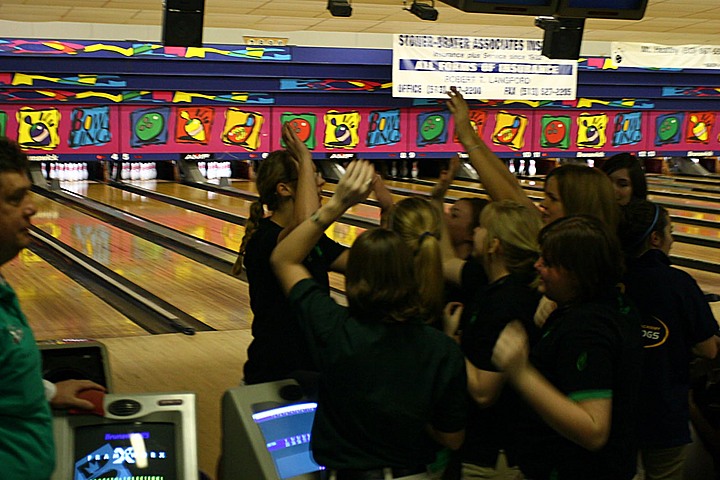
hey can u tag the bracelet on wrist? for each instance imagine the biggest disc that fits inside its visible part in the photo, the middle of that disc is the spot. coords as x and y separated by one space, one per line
474 147
315 217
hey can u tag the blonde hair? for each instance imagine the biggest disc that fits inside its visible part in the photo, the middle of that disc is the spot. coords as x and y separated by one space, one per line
587 191
277 168
516 227
419 224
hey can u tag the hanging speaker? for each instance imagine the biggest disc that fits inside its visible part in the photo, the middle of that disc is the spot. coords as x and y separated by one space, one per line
562 38
183 23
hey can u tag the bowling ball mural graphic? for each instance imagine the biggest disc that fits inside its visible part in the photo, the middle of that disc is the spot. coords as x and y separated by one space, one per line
343 134
668 128
432 128
304 125
39 133
341 129
38 128
302 128
555 132
591 131
149 126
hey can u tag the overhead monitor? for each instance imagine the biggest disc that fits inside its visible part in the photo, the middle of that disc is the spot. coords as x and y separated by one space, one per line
506 7
266 431
140 436
618 9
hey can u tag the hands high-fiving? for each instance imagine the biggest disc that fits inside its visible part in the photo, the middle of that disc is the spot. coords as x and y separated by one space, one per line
356 184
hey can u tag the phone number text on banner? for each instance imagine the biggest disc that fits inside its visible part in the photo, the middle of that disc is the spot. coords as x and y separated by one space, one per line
426 66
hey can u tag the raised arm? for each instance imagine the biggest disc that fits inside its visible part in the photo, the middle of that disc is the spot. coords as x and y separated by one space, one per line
444 181
289 254
585 422
494 175
307 199
384 198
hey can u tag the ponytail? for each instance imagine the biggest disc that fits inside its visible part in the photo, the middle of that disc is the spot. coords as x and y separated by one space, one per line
257 212
276 168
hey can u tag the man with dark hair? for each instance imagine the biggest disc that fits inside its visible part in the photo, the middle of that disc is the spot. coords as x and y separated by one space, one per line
26 437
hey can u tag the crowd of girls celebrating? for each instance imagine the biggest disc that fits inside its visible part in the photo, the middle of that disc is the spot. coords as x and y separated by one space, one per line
550 366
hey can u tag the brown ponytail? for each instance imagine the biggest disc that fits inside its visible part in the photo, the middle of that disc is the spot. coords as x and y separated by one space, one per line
277 168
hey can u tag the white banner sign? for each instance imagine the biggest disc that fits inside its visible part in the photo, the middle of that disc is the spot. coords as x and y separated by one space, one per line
426 66
652 55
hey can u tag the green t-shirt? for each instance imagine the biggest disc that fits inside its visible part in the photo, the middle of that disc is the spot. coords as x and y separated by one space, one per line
381 384
27 450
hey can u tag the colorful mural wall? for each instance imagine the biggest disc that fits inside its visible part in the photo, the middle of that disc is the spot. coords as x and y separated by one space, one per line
170 132
337 100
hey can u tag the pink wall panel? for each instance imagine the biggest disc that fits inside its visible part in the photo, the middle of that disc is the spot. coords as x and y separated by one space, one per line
591 133
194 129
366 132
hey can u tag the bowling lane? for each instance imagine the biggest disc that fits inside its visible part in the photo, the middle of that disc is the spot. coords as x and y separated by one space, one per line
699 252
710 283
204 227
683 184
340 232
57 307
218 299
198 225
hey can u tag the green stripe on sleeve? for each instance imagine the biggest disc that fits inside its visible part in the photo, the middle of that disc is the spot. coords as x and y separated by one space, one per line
590 395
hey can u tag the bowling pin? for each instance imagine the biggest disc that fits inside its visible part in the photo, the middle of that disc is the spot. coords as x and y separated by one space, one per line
135 171
522 167
591 163
532 170
511 166
414 171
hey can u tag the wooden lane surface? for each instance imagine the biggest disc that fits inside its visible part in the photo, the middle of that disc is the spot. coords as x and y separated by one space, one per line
57 307
686 181
205 227
202 226
215 298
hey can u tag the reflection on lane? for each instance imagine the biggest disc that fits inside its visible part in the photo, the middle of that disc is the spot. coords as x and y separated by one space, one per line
210 296
57 307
